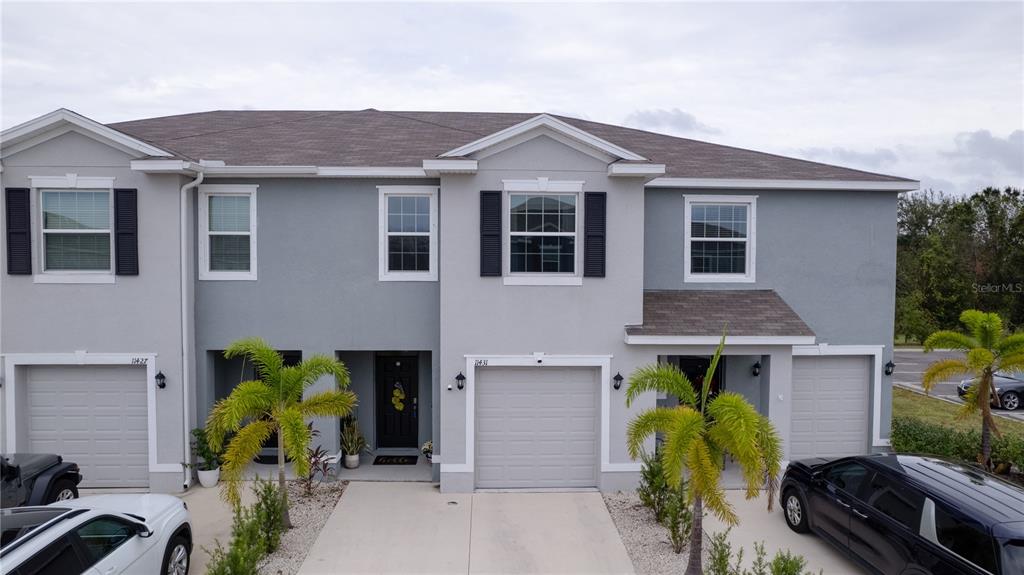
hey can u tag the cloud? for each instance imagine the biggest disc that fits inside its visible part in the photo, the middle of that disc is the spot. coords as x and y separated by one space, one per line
674 121
978 150
875 159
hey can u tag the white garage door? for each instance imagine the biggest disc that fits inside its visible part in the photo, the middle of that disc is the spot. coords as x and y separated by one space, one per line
537 427
94 416
830 406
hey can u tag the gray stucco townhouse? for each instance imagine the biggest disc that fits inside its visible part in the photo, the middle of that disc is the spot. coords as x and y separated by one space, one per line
502 271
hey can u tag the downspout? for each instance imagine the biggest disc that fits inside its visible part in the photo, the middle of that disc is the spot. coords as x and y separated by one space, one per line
184 259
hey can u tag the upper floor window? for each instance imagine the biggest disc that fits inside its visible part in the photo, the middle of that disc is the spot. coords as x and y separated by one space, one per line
542 233
720 234
227 237
408 233
76 230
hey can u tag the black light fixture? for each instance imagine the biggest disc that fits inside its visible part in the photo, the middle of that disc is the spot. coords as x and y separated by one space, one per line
889 367
460 380
618 381
755 370
161 380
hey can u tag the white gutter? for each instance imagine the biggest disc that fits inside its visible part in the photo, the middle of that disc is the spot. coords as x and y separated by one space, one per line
185 307
761 184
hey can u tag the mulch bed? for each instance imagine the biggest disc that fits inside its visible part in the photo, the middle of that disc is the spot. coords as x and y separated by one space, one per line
308 515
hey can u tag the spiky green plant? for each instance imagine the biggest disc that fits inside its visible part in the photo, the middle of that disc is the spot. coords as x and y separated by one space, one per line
272 403
987 350
698 433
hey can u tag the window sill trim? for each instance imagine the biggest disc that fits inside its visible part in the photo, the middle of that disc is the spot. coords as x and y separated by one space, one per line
532 280
737 279
226 276
53 278
408 277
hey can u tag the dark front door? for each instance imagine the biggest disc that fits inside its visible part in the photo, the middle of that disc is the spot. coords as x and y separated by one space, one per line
397 401
696 368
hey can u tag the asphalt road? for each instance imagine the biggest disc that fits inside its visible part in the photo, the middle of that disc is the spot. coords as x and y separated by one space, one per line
910 366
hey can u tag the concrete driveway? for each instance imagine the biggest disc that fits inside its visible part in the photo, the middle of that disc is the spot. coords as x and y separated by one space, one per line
413 528
756 524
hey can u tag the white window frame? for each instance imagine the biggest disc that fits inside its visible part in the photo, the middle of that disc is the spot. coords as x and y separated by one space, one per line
205 192
541 186
385 275
72 183
751 239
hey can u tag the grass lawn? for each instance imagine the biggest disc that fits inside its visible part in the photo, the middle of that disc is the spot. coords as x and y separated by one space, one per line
909 404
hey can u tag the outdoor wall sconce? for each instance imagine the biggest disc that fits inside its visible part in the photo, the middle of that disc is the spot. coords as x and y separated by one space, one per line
755 370
161 380
460 380
618 381
889 367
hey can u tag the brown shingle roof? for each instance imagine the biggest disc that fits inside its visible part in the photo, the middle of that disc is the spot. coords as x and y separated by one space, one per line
709 312
375 138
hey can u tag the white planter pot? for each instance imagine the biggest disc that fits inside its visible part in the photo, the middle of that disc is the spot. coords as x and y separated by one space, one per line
209 478
351 461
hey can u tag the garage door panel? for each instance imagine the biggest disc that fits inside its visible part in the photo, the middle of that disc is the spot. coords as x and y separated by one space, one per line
95 416
536 427
830 406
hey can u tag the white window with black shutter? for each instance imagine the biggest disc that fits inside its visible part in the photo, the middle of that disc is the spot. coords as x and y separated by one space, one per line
227 232
720 233
407 246
542 223
87 230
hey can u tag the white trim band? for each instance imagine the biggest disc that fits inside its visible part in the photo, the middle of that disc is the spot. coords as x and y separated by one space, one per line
762 184
714 339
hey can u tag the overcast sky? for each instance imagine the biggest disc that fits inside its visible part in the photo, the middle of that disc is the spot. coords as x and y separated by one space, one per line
928 90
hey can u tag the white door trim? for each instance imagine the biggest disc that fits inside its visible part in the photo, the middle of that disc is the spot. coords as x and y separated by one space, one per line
10 390
876 351
603 362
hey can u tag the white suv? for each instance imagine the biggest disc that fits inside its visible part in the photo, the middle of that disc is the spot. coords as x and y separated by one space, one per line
98 535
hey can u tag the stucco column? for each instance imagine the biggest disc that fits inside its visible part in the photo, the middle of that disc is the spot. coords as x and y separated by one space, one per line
327 426
780 389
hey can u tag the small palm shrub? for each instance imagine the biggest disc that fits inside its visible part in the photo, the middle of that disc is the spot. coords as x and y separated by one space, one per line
268 510
209 458
677 517
352 440
653 489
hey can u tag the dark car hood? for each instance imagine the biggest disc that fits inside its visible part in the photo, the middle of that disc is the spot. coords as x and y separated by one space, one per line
32 464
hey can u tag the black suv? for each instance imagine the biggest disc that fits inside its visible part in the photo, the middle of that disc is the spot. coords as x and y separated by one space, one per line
907 514
37 479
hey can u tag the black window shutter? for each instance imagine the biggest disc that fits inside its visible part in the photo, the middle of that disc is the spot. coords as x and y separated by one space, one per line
19 231
126 232
490 234
595 216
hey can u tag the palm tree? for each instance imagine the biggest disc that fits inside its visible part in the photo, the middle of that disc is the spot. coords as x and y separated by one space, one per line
987 350
698 435
274 403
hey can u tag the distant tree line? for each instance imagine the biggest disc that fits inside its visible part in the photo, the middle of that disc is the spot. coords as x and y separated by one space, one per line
957 253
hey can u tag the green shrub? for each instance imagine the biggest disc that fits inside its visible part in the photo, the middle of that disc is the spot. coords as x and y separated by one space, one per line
723 561
268 510
245 550
653 489
911 435
785 563
677 517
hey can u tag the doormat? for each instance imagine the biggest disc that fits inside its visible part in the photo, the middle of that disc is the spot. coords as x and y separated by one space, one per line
395 460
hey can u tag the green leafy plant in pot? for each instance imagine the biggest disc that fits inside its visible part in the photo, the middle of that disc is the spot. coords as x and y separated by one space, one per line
352 443
208 459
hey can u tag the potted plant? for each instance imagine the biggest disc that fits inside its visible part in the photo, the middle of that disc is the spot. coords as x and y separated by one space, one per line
352 443
428 449
208 464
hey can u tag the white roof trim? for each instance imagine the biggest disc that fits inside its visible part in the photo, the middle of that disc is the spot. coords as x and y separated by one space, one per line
760 184
714 339
543 120
164 166
49 121
636 170
457 166
372 172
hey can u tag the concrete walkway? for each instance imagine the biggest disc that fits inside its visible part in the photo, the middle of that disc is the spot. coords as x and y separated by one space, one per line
413 528
757 525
